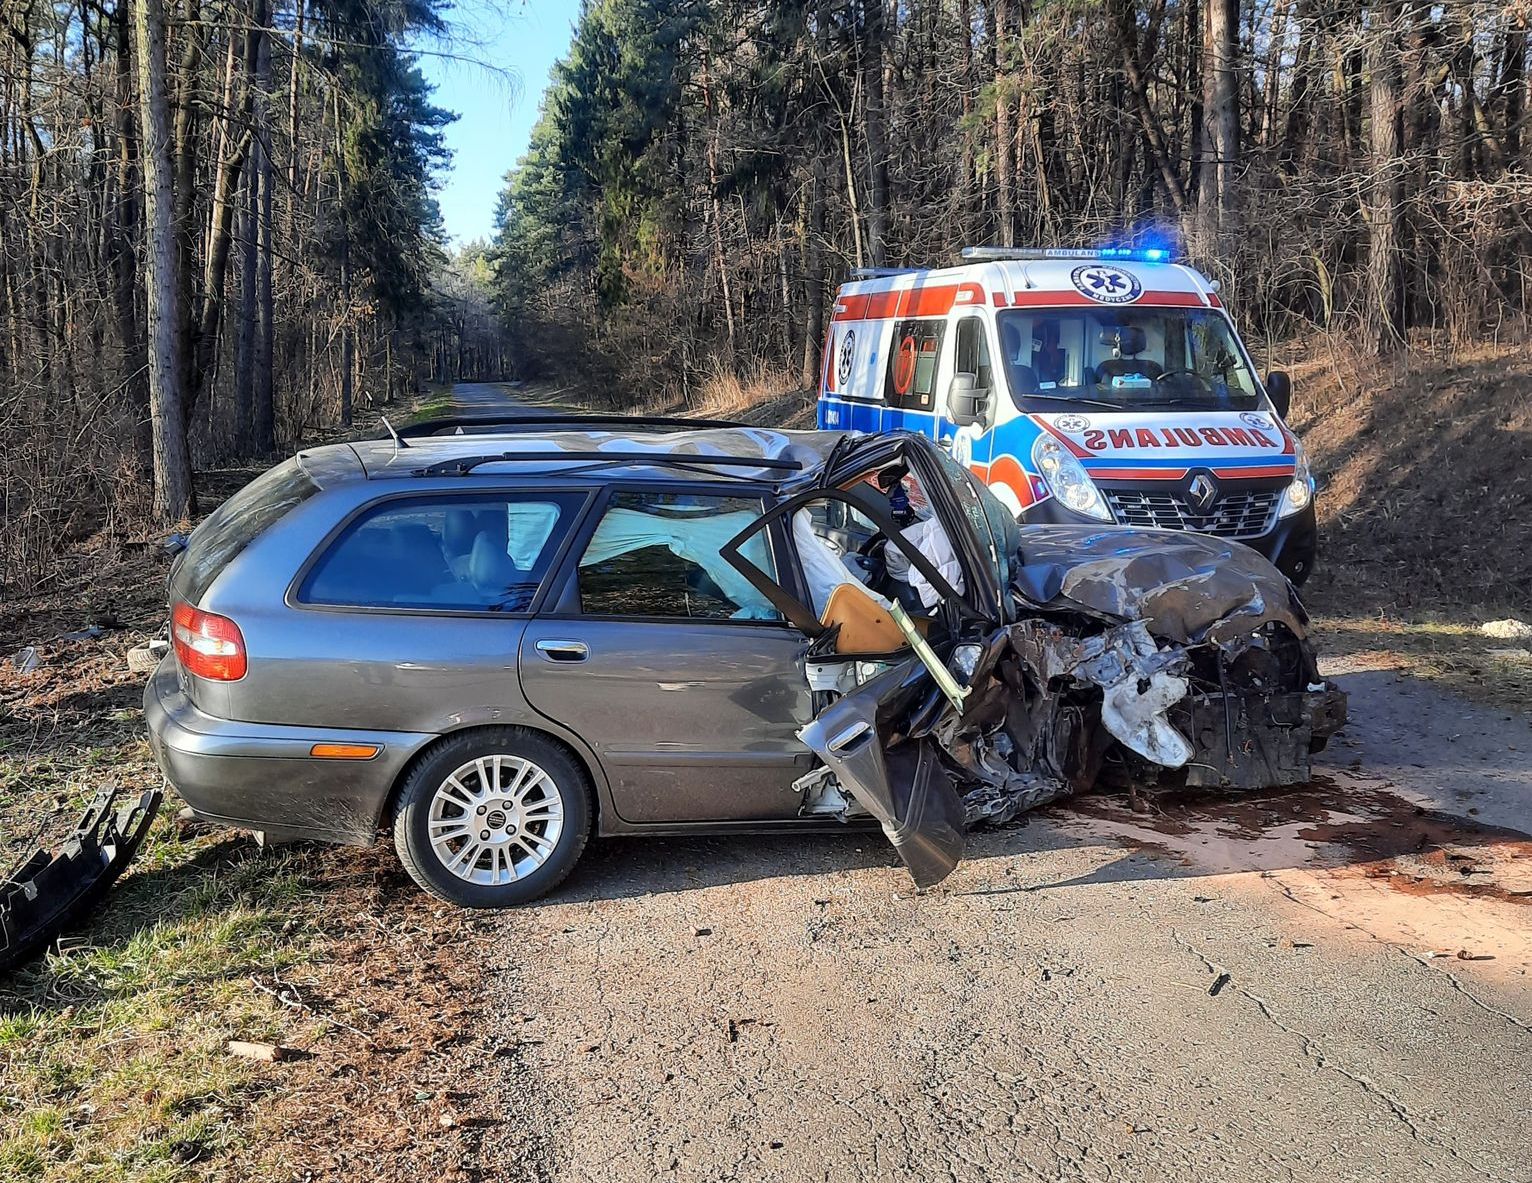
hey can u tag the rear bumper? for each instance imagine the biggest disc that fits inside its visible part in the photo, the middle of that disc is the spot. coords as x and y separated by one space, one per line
1290 546
260 776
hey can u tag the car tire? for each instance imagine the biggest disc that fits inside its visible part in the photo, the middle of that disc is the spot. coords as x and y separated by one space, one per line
516 796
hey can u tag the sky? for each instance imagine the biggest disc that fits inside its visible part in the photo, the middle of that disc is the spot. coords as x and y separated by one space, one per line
492 73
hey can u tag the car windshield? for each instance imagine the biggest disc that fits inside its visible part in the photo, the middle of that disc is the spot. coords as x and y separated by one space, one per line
1125 359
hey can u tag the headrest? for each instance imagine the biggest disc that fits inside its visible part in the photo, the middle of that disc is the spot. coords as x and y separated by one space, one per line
490 569
1127 340
459 530
1010 338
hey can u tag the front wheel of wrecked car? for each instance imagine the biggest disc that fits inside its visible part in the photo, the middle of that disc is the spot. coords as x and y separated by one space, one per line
492 819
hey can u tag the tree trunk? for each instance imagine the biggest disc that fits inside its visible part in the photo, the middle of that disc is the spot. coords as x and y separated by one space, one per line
814 277
244 346
172 457
874 123
1220 124
1383 259
124 259
264 417
1005 132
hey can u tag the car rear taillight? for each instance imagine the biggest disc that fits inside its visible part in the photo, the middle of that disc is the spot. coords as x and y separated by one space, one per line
207 645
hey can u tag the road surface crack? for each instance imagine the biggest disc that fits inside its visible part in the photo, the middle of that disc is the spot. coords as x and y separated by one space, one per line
1427 963
1315 1051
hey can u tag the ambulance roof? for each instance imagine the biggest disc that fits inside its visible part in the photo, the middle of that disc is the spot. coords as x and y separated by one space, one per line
1021 282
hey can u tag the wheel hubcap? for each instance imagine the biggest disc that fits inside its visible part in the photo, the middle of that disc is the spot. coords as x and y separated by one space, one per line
496 819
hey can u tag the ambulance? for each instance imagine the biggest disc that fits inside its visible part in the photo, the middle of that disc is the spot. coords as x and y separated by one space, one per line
1082 386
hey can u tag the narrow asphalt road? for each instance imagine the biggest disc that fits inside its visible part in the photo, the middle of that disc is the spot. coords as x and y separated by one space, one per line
506 398
1333 983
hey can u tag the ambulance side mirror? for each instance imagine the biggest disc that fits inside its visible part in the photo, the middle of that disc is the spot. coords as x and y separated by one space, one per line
1279 388
966 400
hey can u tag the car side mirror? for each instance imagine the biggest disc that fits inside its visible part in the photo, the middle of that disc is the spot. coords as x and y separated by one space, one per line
1279 389
967 401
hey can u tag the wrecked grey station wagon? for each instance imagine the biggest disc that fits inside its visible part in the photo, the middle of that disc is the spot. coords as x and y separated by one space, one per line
497 638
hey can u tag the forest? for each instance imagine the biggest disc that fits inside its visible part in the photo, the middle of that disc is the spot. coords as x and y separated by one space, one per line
704 172
217 231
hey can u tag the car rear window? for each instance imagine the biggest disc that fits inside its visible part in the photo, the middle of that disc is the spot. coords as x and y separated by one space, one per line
485 553
237 523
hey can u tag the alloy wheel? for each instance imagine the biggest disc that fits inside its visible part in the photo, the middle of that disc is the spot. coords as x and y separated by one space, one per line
495 819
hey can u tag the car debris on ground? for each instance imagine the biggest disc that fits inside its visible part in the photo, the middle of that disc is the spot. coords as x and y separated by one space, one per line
48 893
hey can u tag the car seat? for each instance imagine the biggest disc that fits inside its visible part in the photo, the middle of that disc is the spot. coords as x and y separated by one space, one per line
1023 376
491 571
459 530
1126 342
420 569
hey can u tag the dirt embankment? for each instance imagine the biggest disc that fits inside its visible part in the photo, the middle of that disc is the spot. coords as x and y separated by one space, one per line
1424 466
1425 481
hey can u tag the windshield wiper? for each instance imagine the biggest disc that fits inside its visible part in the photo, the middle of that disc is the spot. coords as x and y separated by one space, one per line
1069 398
1200 404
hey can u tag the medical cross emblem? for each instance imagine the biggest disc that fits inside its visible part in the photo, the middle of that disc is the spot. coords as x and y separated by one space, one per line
847 357
1106 285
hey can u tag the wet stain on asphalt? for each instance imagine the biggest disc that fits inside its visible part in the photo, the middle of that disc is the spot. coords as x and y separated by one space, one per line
1329 823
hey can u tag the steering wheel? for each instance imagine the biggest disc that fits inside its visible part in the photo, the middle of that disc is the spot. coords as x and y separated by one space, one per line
1190 373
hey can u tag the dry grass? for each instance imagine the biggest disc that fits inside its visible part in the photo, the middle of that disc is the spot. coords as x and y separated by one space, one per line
1425 481
723 393
1424 465
1493 672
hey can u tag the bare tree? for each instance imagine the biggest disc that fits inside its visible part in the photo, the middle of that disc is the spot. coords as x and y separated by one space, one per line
172 456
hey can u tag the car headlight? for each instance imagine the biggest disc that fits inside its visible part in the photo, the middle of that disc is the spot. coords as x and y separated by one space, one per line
1296 497
1068 480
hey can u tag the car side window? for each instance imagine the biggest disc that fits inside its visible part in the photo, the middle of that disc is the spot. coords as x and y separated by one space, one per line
656 555
453 554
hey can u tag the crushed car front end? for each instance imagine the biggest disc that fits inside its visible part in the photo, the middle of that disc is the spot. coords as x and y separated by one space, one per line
1073 657
1139 658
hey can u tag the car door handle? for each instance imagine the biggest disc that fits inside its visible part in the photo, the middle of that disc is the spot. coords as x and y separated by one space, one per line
563 650
848 737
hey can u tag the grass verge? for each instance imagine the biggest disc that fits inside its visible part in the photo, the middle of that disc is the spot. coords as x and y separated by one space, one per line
1454 655
113 1048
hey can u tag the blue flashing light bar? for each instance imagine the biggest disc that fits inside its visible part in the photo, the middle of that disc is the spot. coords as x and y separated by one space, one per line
1127 254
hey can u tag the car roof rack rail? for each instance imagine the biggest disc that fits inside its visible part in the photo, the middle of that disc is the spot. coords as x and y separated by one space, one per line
464 465
541 420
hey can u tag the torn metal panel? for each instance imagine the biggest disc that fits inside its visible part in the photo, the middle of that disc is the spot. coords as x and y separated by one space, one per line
863 739
46 895
1138 680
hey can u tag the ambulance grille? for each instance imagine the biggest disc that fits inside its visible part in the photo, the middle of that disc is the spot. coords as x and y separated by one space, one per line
1234 515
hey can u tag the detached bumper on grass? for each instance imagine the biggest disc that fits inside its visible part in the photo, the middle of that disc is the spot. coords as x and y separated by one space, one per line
47 894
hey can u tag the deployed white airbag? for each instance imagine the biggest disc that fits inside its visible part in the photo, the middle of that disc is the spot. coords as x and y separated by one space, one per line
695 538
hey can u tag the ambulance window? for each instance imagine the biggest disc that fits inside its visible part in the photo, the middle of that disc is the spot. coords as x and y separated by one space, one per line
973 353
911 378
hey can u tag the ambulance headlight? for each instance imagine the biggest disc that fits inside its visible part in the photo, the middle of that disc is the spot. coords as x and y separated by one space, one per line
1068 480
1296 497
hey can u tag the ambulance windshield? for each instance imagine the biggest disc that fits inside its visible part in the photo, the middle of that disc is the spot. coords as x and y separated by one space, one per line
1128 358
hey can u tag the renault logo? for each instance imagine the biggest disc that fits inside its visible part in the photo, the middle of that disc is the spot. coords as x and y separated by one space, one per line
1203 491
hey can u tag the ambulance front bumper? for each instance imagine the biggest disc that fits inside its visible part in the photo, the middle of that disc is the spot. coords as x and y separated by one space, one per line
1291 544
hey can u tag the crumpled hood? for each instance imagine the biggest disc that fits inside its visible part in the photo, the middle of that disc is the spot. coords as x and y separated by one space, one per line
1185 587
